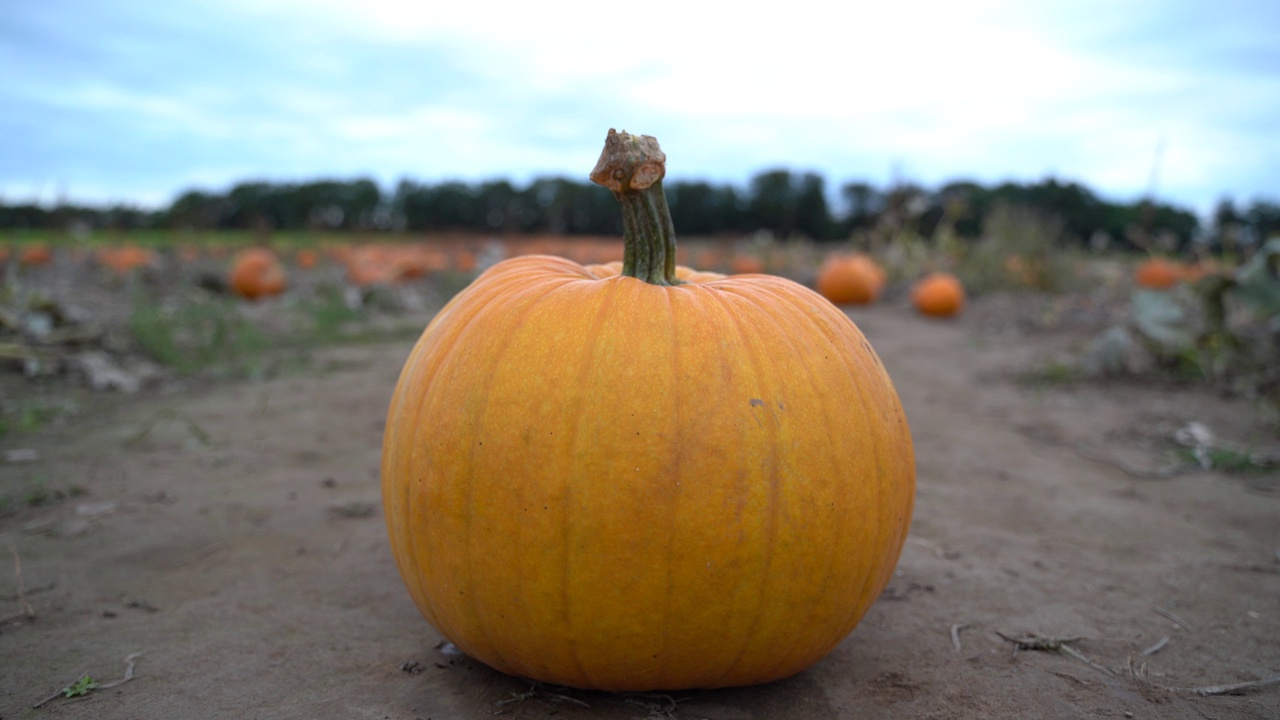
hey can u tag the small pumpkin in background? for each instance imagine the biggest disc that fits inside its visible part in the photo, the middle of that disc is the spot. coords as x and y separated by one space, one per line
1157 273
35 254
124 259
938 294
306 258
850 279
465 261
257 273
745 264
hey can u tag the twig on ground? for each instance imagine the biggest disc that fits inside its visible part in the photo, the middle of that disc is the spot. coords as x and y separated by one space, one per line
518 697
1069 676
1055 644
60 692
1232 689
1037 642
1139 672
1167 613
1157 646
955 635
130 661
572 700
537 690
646 700
1081 657
25 611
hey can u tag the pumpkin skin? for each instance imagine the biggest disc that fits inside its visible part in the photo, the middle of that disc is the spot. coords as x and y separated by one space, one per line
598 482
938 294
257 273
853 279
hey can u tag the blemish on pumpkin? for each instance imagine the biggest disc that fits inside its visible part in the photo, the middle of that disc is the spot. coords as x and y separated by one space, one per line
757 403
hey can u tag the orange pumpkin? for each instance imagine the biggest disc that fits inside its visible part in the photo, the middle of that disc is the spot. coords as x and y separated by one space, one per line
465 261
306 258
1157 273
850 279
626 481
746 264
938 294
124 259
35 254
256 273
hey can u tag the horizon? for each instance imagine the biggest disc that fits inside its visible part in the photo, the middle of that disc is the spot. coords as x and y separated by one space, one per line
832 191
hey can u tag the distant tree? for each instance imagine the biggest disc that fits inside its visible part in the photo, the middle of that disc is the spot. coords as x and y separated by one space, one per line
772 203
701 208
863 205
813 215
567 207
198 210
447 206
24 216
964 204
1264 218
499 205
694 207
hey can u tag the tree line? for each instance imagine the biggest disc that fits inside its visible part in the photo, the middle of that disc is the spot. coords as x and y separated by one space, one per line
784 203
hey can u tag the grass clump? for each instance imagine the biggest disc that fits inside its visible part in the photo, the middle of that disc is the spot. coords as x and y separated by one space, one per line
197 333
36 493
27 416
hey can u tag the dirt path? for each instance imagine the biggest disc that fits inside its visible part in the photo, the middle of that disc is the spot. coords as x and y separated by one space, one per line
234 536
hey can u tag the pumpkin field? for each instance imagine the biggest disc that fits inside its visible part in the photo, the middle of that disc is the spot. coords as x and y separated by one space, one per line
192 521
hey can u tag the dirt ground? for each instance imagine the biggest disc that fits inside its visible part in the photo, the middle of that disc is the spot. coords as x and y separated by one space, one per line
229 541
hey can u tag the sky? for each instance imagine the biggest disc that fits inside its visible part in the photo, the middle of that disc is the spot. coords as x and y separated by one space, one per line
136 101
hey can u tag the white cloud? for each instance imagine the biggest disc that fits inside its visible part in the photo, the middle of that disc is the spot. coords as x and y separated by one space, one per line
992 89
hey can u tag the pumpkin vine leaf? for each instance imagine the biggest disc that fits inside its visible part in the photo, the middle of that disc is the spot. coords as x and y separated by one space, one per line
80 687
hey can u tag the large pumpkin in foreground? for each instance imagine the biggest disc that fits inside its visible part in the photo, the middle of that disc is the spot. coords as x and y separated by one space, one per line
634 482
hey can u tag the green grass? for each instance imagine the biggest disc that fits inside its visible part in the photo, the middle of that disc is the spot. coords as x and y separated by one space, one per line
329 313
29 416
35 493
1228 461
199 332
208 334
1054 372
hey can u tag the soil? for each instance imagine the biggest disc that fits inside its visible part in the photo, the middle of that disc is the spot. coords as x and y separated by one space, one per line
231 534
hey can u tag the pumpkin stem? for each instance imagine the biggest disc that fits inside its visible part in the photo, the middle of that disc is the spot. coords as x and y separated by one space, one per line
632 166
